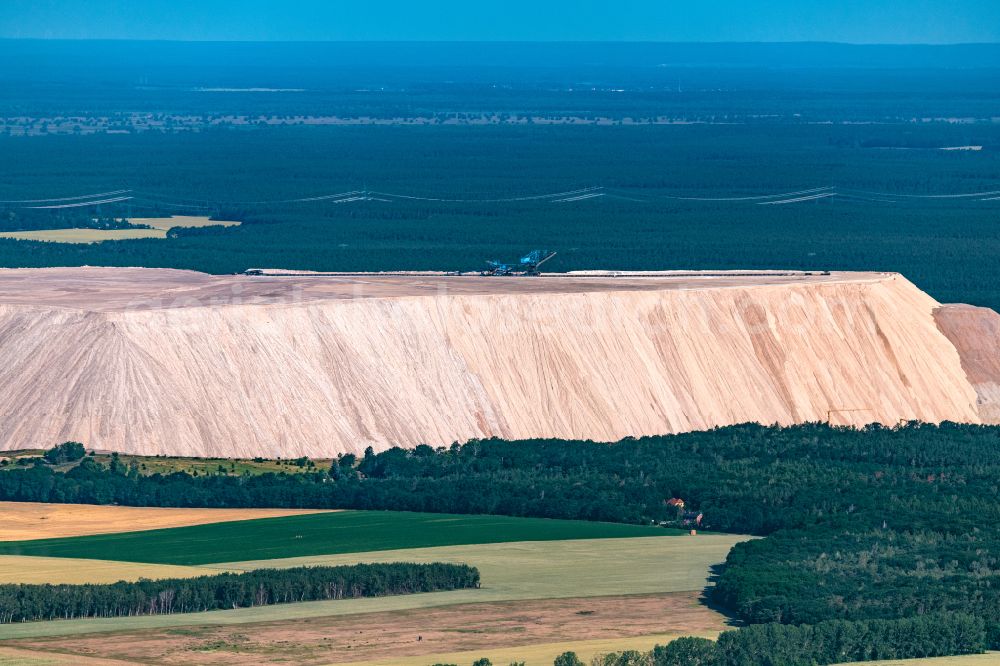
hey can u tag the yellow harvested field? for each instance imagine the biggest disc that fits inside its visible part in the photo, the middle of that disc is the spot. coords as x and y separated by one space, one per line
21 521
160 226
989 659
83 235
166 223
55 570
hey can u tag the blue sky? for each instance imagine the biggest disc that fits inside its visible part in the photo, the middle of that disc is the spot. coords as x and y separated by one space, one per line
857 21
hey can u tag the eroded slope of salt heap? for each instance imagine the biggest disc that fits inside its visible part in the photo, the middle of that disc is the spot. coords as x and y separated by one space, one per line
174 362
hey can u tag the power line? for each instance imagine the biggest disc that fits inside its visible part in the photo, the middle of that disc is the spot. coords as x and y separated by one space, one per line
81 204
535 197
83 196
756 198
567 196
967 195
811 197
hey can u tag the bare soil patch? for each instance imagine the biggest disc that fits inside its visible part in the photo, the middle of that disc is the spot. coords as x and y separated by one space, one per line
15 657
117 289
166 223
158 229
377 636
975 332
83 235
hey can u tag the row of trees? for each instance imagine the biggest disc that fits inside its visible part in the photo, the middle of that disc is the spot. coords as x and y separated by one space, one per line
261 587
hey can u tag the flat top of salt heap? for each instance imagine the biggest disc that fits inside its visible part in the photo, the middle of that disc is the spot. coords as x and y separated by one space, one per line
119 289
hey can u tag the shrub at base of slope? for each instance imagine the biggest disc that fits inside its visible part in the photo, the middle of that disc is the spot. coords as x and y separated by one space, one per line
262 587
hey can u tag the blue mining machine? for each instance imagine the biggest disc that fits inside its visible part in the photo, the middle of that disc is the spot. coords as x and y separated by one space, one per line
528 264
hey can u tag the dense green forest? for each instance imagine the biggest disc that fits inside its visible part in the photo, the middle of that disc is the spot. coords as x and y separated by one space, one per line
320 533
881 218
831 642
879 523
261 587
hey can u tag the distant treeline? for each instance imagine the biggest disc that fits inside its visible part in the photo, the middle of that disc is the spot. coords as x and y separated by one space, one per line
789 82
947 246
877 523
262 587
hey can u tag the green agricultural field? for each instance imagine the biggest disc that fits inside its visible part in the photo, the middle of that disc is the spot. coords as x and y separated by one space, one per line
319 534
557 569
510 572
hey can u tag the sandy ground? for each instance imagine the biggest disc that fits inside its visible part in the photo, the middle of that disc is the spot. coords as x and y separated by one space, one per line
180 363
160 226
975 332
166 223
405 633
21 521
83 235
116 289
10 656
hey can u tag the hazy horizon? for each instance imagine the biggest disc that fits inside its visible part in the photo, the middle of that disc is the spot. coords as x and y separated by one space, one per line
924 22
